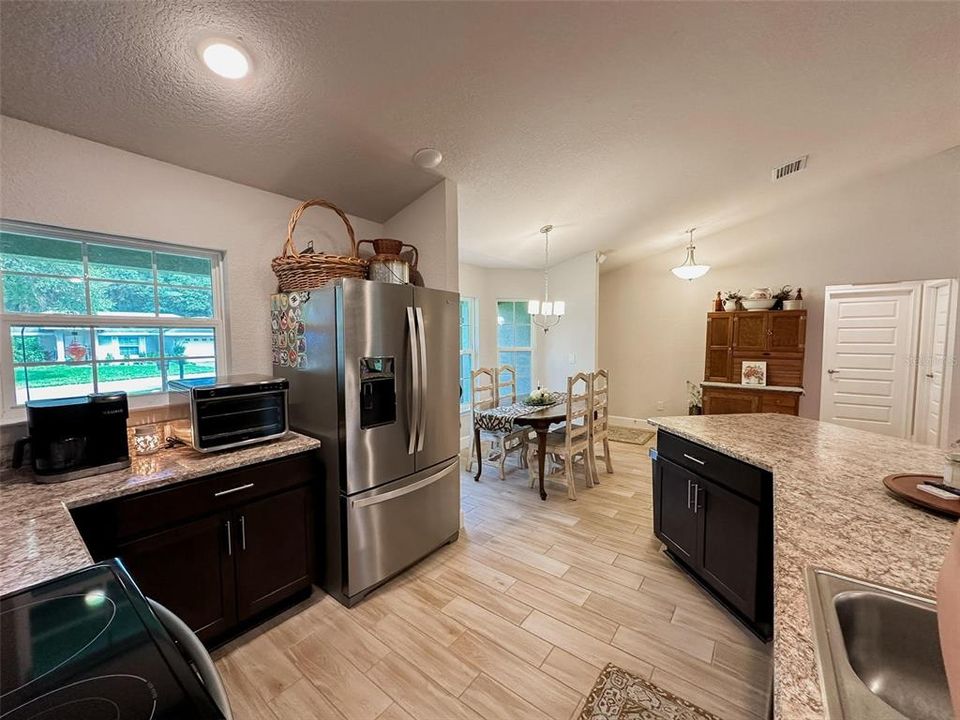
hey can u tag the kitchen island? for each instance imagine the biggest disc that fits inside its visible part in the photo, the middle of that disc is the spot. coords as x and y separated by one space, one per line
831 510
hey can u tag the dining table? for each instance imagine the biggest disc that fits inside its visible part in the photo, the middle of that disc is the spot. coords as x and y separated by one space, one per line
538 418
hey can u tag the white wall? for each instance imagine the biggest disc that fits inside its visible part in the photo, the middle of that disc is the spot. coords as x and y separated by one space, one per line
430 223
902 225
488 285
571 346
575 281
56 179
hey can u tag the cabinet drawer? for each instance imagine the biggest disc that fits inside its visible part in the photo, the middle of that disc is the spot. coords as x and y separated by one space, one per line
777 402
150 511
737 476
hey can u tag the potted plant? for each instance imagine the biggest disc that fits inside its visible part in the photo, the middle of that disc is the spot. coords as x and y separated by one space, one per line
731 301
695 399
781 296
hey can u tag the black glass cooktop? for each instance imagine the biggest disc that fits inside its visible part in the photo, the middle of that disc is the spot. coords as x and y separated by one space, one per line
85 646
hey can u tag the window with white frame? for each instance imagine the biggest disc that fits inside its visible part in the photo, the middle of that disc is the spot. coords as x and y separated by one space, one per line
515 341
84 312
468 347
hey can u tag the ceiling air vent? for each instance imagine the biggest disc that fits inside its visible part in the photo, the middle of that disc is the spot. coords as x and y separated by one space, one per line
789 169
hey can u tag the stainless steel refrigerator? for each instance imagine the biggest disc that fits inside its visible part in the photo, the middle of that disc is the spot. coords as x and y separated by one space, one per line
374 374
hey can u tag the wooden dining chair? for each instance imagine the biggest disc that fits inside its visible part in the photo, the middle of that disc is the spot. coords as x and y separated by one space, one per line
490 388
600 421
572 440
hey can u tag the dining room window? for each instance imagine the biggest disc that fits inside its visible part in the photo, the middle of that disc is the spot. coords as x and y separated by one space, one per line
468 348
515 341
85 312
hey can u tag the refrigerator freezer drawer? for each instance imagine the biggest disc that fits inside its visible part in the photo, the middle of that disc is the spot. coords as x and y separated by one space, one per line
392 527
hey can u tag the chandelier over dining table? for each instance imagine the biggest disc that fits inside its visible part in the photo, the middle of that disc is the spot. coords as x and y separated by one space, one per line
546 313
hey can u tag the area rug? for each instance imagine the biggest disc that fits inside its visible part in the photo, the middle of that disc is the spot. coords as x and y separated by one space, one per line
619 695
634 436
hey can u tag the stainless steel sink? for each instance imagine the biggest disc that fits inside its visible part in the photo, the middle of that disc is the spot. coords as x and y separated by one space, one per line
877 649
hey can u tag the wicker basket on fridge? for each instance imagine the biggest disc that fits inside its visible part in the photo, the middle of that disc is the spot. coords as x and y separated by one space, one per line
305 270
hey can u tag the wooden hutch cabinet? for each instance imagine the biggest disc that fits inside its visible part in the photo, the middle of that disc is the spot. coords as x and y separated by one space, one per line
776 337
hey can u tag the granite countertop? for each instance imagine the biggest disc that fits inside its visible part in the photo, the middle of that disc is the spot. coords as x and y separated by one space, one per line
37 533
830 510
774 388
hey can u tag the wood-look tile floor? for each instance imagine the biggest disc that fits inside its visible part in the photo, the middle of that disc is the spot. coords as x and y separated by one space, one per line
513 621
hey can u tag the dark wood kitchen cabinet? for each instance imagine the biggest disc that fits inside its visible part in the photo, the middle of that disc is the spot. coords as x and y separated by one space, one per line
188 569
273 555
218 551
714 515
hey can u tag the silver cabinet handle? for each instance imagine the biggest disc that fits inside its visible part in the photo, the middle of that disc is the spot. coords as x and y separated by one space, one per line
696 460
689 487
393 494
229 539
696 498
238 488
421 333
414 411
243 532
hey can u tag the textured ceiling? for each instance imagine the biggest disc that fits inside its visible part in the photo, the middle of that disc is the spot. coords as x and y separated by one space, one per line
620 123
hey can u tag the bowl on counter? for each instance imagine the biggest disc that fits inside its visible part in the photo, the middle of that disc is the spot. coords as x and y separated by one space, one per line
757 303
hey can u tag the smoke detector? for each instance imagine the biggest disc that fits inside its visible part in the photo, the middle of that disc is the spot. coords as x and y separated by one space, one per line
794 166
427 158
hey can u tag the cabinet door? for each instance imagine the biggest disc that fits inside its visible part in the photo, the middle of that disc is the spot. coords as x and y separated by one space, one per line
719 348
725 402
780 402
189 569
272 548
728 543
675 522
750 332
786 331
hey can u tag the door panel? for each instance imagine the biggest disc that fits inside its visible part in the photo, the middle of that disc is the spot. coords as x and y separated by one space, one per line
272 549
374 324
869 342
677 522
729 544
393 526
719 348
750 331
725 402
786 331
189 569
936 348
440 400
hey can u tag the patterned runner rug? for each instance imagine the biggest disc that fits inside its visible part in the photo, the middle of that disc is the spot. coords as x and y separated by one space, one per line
634 436
619 695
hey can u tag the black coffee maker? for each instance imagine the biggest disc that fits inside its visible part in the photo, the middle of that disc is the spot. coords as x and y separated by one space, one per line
75 437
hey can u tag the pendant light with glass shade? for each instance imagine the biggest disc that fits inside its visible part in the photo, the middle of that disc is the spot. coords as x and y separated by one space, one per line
546 313
690 269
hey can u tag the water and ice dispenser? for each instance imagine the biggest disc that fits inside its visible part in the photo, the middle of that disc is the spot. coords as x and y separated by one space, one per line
378 392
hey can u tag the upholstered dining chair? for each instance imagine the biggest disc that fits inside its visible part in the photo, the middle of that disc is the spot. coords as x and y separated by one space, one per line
490 388
600 422
573 439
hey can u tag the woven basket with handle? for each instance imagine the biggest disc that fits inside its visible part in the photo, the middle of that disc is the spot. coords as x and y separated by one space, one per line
303 271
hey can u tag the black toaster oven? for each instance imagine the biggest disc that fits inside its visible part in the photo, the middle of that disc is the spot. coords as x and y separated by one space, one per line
229 411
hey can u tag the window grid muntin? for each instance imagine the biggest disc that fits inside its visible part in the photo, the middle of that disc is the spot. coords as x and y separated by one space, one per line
91 321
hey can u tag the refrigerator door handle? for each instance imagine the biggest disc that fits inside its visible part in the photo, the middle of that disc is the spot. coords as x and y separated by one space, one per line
422 426
394 494
414 412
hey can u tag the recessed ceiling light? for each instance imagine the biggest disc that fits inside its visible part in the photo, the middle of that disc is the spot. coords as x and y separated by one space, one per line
225 59
427 158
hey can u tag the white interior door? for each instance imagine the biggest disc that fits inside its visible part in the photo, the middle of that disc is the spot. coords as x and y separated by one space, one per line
869 347
938 318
